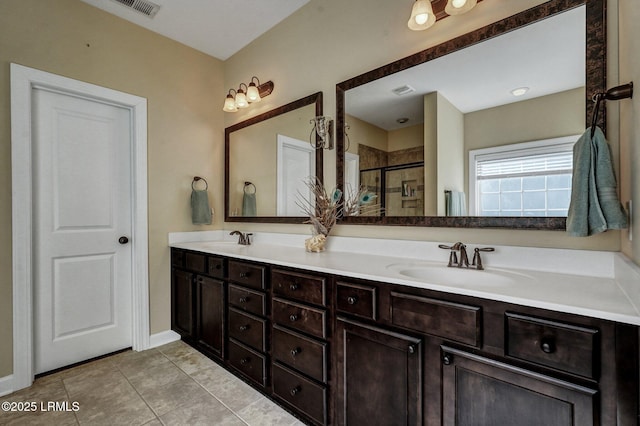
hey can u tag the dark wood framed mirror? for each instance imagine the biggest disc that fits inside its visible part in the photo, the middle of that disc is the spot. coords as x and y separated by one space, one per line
267 159
591 20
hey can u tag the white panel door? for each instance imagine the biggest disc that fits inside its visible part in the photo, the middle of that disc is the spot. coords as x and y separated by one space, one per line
82 206
295 165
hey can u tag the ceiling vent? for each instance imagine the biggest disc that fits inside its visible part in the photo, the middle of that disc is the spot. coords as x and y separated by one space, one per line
403 90
144 7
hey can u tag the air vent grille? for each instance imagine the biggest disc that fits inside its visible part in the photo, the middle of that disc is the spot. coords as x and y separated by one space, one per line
403 90
144 7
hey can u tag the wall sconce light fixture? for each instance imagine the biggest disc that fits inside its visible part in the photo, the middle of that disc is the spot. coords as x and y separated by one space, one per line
425 13
323 128
246 95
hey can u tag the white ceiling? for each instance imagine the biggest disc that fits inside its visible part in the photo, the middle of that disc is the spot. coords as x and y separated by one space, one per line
216 27
548 57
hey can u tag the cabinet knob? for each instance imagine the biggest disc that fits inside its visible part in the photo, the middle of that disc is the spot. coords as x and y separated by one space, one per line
244 275
243 327
243 300
295 351
352 300
293 287
295 391
244 361
293 318
548 345
411 349
447 359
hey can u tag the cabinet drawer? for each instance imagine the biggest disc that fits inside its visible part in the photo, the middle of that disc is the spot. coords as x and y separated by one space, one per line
308 397
301 317
562 346
356 299
215 267
453 321
196 262
249 362
299 352
247 274
247 329
177 258
247 300
296 286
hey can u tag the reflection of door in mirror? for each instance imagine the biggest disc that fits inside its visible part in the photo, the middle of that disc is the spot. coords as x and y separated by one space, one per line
295 166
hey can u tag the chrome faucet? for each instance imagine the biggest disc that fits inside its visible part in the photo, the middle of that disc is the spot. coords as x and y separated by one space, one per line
243 239
463 262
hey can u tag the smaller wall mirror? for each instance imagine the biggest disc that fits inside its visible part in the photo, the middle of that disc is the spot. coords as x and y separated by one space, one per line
267 160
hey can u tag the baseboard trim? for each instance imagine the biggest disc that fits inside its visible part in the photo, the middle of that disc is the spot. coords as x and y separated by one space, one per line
6 385
163 338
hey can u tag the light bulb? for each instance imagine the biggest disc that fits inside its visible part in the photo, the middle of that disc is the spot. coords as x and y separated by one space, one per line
458 7
458 3
422 18
241 100
253 95
229 104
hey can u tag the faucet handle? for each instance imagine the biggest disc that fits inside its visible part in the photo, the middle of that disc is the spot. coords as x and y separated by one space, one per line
247 238
477 260
445 247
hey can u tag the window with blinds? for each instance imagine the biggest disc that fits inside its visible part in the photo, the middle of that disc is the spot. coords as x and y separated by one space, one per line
528 179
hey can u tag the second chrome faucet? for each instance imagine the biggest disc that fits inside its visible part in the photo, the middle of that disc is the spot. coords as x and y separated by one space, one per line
463 260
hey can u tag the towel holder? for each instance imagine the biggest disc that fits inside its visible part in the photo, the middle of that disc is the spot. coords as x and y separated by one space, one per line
624 91
249 184
196 179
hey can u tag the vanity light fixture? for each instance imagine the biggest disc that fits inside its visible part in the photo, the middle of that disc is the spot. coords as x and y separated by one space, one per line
425 13
323 128
519 91
246 95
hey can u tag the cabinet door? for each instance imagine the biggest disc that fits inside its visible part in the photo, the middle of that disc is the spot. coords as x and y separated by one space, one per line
182 319
480 391
210 314
379 376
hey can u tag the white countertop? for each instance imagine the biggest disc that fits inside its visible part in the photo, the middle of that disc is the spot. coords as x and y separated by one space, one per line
596 284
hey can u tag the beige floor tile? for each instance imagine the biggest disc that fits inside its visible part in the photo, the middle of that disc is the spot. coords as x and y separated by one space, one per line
190 363
95 382
176 349
210 412
174 395
117 406
44 418
151 378
230 390
140 361
265 413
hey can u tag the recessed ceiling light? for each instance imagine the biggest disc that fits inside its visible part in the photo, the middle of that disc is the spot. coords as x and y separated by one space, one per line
402 120
519 91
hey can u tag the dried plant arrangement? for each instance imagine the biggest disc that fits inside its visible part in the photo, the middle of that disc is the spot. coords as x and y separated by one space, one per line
361 203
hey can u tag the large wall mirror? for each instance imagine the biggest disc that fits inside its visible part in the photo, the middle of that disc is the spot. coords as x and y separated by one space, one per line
268 158
477 131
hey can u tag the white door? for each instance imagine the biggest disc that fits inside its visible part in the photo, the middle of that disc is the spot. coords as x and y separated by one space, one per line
295 165
82 206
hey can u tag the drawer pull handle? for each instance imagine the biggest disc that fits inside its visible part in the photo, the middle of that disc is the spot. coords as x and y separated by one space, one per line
243 300
295 352
548 345
293 318
352 300
293 287
447 359
243 327
244 275
295 391
244 361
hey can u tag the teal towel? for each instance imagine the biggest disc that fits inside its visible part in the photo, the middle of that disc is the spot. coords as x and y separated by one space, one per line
456 204
249 204
200 210
594 204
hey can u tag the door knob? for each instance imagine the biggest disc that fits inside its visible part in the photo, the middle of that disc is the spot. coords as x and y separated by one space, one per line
123 240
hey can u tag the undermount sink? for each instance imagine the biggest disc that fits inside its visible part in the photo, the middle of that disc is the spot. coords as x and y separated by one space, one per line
441 274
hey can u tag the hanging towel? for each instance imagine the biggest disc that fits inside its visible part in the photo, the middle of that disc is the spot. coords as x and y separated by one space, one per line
249 204
200 210
456 204
594 204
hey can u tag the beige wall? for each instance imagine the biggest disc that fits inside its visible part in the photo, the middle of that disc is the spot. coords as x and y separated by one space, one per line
184 89
361 132
407 137
451 139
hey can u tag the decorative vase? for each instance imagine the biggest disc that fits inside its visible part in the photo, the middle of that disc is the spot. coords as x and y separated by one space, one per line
316 243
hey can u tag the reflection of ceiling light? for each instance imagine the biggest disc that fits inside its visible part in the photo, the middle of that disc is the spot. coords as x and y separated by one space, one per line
402 120
458 7
403 90
422 16
519 91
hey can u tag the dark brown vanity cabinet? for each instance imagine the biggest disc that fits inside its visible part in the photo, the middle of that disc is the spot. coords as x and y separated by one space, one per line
197 302
346 351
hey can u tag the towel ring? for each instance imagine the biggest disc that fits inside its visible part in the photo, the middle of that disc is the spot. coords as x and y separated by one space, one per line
624 91
245 188
197 178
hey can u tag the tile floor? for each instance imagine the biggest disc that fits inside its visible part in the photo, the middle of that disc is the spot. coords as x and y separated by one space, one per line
170 385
